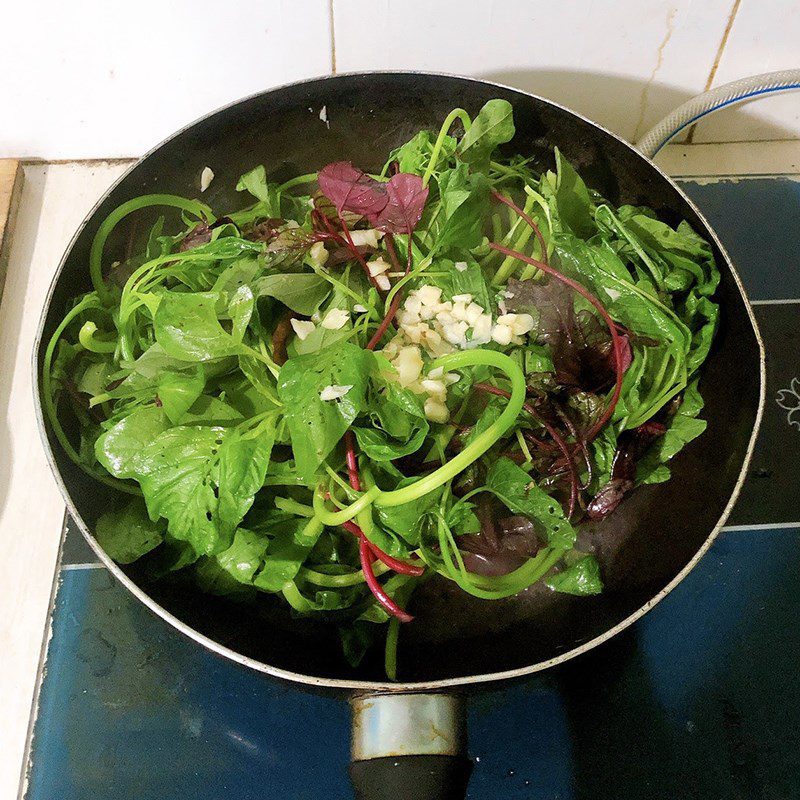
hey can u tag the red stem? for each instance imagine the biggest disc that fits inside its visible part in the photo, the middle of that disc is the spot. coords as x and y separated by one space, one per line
389 605
616 339
390 561
352 463
354 250
395 304
355 483
528 219
386 322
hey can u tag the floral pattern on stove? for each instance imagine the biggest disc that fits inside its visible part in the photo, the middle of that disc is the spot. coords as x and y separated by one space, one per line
789 400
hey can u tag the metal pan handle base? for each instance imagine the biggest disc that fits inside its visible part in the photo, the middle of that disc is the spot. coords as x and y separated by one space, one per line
409 747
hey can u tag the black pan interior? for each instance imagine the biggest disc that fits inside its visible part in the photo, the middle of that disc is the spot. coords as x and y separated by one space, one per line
642 547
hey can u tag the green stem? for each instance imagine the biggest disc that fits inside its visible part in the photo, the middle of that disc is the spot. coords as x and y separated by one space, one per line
401 597
423 265
295 599
118 214
483 441
86 338
293 507
48 400
475 450
334 518
338 581
343 288
494 588
299 180
508 265
310 533
456 113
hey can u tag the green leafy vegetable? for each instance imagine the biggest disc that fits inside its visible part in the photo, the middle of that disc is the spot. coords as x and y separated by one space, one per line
187 327
493 126
301 292
316 425
515 488
298 398
582 578
128 534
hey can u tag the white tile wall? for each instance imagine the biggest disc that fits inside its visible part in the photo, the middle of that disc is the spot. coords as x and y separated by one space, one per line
88 79
625 64
80 78
765 36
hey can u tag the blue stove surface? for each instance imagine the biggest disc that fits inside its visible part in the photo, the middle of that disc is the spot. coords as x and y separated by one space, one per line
696 700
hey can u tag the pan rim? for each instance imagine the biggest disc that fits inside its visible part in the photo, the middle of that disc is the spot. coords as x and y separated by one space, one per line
366 686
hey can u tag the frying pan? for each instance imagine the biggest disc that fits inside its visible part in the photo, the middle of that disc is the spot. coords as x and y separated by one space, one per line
409 738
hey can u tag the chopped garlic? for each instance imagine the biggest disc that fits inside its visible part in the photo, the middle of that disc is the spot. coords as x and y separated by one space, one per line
466 299
455 332
378 266
408 364
302 327
434 342
406 318
502 334
523 324
436 374
482 329
334 392
444 317
461 266
318 254
359 309
451 377
336 319
413 305
520 324
435 389
206 176
366 238
429 295
459 311
472 313
436 411
383 283
417 332
427 312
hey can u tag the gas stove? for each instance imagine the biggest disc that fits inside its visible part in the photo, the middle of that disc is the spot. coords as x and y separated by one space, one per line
697 699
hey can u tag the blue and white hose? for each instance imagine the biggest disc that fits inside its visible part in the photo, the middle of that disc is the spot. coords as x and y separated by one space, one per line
715 99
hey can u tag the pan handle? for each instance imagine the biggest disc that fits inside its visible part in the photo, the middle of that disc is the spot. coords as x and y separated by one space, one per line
409 747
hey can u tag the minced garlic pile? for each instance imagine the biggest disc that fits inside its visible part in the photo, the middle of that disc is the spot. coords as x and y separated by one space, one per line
427 323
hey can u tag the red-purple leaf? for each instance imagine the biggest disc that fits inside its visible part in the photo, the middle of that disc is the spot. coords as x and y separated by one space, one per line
631 446
350 189
406 201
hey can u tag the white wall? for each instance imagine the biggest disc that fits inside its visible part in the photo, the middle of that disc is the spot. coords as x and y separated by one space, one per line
81 79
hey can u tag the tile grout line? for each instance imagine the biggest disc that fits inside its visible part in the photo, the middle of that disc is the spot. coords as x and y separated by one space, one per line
786 302
332 25
645 94
763 526
717 58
